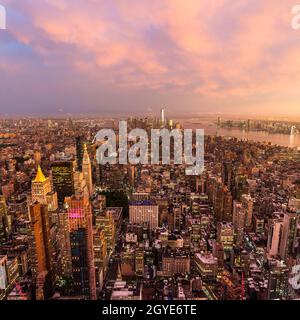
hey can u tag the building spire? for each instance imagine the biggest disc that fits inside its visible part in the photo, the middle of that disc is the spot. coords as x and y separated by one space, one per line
39 175
86 157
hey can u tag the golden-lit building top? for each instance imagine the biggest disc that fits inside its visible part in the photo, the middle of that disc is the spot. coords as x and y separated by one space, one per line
39 176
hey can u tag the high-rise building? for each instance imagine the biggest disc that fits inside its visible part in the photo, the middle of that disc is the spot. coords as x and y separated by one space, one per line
223 203
144 211
278 282
100 255
238 222
290 238
79 183
274 237
218 252
40 241
227 174
63 179
247 203
41 191
225 235
81 240
106 222
79 152
87 170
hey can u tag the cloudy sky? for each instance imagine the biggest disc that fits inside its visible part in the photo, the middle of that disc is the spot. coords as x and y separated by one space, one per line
135 56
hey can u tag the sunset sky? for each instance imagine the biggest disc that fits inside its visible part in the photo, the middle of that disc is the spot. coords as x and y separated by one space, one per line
111 57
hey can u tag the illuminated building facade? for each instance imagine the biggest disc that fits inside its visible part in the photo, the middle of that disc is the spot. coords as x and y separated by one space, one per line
41 191
63 179
225 235
207 265
247 203
175 262
79 152
144 211
87 170
278 282
100 255
106 222
81 242
239 215
290 235
42 251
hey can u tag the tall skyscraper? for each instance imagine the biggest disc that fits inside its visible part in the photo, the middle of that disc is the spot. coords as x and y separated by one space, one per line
238 222
40 244
278 281
63 239
225 235
63 179
41 191
87 170
79 152
247 203
106 222
81 240
79 183
290 241
40 187
274 237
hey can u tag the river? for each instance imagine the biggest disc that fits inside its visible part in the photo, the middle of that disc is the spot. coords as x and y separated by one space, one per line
285 140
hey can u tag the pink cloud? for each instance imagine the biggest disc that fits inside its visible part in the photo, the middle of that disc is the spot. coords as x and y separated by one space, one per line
216 49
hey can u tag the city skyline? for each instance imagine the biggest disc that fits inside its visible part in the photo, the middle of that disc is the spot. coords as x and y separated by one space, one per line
72 228
120 57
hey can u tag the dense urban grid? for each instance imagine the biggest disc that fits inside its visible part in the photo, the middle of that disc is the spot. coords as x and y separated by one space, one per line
73 229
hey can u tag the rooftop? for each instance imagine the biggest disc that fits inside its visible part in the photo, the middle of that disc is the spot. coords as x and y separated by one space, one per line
39 176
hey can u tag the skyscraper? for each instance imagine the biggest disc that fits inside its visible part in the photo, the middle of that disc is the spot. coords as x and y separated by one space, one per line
79 152
87 170
225 235
238 219
278 281
105 221
247 203
81 240
40 187
63 179
289 242
41 191
274 237
40 244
